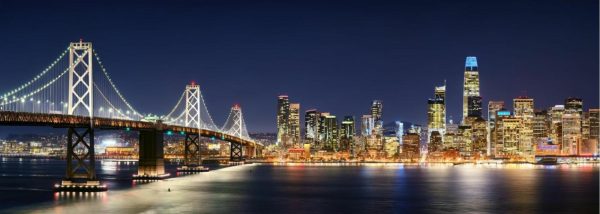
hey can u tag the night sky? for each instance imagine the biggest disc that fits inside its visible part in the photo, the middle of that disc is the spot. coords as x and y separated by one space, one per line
336 56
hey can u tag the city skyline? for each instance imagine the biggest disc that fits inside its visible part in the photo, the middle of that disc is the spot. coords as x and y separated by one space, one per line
412 65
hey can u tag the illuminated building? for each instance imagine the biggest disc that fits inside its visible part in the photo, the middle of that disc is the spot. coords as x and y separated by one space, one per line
555 131
436 114
367 125
540 124
283 116
571 132
399 131
464 140
294 126
544 147
479 136
507 134
435 142
493 107
376 112
311 127
330 132
588 147
585 125
347 133
574 105
523 109
471 85
410 147
474 107
594 125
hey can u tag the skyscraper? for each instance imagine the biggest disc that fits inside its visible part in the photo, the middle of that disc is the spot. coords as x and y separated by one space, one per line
571 133
367 125
376 112
523 109
506 132
474 107
311 126
330 133
436 114
471 86
555 131
493 108
595 125
283 115
540 124
294 126
574 105
347 132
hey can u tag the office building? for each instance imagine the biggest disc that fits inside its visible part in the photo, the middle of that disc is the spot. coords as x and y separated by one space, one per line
470 86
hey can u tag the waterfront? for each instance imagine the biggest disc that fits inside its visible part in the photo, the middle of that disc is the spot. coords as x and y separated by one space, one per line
312 188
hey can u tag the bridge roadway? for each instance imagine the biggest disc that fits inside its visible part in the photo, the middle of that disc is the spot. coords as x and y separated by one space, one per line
151 147
9 118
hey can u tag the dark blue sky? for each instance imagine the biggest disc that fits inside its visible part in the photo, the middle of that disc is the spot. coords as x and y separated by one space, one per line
335 56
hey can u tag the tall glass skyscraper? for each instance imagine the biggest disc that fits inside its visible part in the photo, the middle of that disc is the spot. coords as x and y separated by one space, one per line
471 88
283 116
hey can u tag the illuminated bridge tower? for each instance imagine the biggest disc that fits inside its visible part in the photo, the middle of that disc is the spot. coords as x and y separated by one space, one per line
471 88
236 126
81 170
192 157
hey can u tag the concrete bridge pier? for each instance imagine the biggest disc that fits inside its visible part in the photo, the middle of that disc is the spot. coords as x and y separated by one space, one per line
151 165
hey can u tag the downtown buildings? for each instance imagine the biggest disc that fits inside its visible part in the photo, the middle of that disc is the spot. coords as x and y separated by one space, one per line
520 134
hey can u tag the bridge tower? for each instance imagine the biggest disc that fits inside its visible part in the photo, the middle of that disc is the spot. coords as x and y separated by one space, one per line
81 170
192 106
235 126
192 159
81 83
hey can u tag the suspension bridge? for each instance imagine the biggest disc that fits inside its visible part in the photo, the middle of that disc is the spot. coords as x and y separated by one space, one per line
77 93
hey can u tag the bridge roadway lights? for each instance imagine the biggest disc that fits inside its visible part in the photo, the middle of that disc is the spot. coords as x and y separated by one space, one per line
151 165
81 176
192 160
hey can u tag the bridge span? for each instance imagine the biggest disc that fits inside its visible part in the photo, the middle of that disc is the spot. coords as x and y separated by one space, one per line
69 94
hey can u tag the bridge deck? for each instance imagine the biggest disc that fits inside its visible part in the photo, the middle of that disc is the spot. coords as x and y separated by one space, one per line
9 118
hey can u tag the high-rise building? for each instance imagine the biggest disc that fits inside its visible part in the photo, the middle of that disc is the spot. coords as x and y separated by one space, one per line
435 142
574 105
283 116
571 132
507 133
475 107
540 124
367 125
436 114
595 124
399 131
347 133
410 147
479 136
330 133
594 118
376 112
470 86
294 126
523 109
311 126
493 108
555 131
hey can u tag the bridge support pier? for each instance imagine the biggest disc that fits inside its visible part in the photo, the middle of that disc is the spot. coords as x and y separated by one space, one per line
192 158
81 163
236 153
151 165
